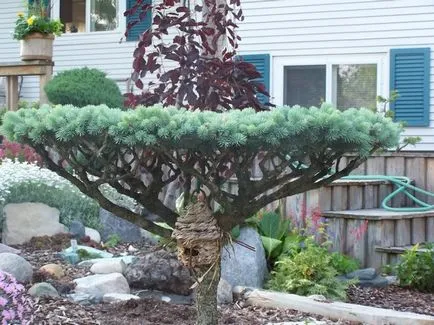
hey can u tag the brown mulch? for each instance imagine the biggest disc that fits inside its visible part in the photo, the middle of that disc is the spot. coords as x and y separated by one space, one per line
393 297
154 312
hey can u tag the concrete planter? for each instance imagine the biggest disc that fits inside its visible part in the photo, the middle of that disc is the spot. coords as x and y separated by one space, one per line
37 46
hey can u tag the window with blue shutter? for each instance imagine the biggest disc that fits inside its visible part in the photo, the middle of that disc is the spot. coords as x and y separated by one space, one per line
262 64
139 28
410 76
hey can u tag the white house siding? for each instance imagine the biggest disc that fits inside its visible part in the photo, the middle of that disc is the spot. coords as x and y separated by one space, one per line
327 30
289 30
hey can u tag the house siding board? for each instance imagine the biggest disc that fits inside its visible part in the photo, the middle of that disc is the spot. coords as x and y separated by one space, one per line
281 28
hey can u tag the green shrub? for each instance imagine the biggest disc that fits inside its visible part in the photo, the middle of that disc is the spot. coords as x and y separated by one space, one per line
26 182
343 264
81 87
308 272
3 111
113 240
71 204
416 268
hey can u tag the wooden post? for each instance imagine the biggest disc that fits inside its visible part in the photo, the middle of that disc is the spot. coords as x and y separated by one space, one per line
43 79
12 92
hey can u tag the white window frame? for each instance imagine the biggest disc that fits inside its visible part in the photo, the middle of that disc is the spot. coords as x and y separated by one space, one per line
279 64
122 22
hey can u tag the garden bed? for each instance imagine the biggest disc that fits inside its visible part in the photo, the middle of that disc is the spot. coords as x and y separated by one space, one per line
153 311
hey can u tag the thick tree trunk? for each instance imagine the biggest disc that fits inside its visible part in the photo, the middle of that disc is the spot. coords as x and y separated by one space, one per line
206 296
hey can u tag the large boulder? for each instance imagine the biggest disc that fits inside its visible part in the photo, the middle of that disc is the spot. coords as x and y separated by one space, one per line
111 224
242 266
159 270
93 234
100 284
8 249
16 266
77 229
22 221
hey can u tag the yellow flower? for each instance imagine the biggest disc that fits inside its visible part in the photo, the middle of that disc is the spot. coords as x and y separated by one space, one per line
31 20
20 14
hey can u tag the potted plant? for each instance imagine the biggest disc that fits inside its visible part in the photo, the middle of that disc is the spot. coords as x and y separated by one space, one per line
36 32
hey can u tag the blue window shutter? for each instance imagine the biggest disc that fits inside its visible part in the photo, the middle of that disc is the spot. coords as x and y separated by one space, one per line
410 76
262 64
139 28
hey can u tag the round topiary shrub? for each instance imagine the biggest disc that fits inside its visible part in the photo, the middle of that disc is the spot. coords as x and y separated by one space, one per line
15 305
84 86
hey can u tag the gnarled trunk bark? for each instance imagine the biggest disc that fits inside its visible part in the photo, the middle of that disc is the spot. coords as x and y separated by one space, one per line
206 295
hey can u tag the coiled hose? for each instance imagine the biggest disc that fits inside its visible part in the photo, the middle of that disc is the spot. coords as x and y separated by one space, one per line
402 185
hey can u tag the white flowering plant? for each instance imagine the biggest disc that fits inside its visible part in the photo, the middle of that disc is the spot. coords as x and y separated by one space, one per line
27 182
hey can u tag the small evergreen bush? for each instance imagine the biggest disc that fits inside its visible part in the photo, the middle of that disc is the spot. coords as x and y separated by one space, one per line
416 268
308 272
81 87
15 306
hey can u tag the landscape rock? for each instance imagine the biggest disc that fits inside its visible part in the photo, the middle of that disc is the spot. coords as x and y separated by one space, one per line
378 282
318 298
77 229
109 266
392 279
159 270
363 274
242 266
17 266
111 224
128 259
90 250
84 298
100 284
148 237
8 249
43 289
224 292
55 270
22 221
166 297
311 321
116 297
93 234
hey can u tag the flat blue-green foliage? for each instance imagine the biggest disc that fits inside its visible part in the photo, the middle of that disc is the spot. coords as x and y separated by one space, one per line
289 130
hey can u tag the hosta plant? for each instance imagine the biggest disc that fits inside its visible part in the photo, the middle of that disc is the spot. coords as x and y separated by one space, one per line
15 305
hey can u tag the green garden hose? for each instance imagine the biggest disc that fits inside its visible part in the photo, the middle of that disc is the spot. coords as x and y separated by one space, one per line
402 185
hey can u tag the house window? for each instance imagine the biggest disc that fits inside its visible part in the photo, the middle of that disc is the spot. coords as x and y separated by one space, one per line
355 85
344 85
89 15
305 85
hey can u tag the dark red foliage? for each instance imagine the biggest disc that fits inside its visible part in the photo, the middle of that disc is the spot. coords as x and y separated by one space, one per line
13 150
203 78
